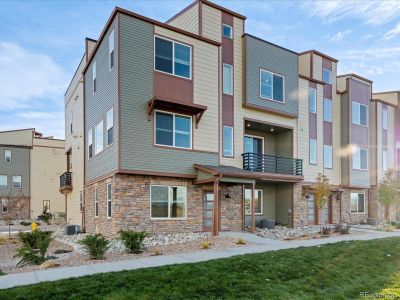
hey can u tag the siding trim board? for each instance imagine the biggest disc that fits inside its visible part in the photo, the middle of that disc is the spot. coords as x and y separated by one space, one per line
320 54
311 79
269 110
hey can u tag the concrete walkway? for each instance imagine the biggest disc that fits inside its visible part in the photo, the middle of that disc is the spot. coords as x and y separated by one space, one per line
258 244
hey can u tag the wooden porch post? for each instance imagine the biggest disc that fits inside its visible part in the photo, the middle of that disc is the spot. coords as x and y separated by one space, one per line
253 221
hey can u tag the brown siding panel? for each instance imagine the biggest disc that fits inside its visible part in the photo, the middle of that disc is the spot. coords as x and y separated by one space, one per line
326 63
328 91
313 125
171 87
328 133
227 110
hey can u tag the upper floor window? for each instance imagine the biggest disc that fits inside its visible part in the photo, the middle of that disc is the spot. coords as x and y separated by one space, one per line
17 181
360 159
227 31
328 157
109 200
90 143
110 126
94 78
327 76
313 151
172 57
271 86
111 49
3 181
7 156
359 113
99 137
327 110
384 118
258 201
313 100
227 79
357 203
71 116
384 160
228 141
168 202
173 130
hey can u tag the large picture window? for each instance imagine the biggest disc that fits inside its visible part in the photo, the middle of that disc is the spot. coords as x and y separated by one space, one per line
328 164
172 57
168 202
327 110
360 159
228 141
359 113
327 76
271 86
258 201
357 203
227 79
173 130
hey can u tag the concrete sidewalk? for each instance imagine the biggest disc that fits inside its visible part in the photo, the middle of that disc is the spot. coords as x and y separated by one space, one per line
259 244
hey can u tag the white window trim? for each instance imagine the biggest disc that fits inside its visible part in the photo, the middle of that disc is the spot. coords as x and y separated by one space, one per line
262 203
323 113
358 213
231 67
272 86
356 148
110 50
316 152
359 113
330 77
90 143
173 130
5 156
309 106
96 202
20 181
108 127
109 200
331 147
95 140
94 77
4 187
169 201
173 57
226 25
223 138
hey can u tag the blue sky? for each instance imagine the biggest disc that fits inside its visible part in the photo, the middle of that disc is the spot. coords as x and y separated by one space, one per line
42 42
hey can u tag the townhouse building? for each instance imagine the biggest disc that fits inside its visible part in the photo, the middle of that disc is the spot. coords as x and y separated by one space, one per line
30 165
195 125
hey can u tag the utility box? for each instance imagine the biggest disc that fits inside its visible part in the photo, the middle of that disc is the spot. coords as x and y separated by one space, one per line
72 229
269 224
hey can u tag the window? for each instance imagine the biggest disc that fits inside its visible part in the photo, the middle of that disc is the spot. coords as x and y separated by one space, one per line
7 156
360 159
172 57
80 201
4 205
313 151
327 157
359 113
46 205
357 203
228 141
327 76
227 79
94 78
70 121
109 197
17 181
384 160
110 126
99 137
168 202
327 110
3 181
111 49
313 100
90 143
258 201
173 130
227 31
96 202
385 118
271 86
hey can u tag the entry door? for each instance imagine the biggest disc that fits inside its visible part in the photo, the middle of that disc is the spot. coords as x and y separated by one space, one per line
208 206
312 217
253 144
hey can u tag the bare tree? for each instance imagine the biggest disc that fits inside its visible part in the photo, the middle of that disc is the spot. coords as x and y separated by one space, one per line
15 205
387 190
321 193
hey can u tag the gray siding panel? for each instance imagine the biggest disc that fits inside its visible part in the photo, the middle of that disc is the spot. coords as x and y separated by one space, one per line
98 104
20 166
136 88
263 55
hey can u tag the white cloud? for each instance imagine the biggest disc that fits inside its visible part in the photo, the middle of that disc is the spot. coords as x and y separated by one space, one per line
28 79
392 33
338 37
370 12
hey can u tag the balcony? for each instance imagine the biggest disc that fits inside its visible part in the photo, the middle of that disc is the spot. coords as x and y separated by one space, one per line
65 183
272 164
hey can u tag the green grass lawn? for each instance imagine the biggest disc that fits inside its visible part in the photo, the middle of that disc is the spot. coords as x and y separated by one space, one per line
336 271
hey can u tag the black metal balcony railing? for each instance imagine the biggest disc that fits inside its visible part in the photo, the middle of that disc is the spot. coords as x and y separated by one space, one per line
272 164
66 180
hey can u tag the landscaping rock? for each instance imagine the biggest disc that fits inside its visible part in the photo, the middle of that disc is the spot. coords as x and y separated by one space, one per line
286 233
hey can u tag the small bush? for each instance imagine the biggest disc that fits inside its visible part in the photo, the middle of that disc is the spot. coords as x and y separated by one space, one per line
345 228
133 240
95 245
241 241
46 217
326 230
205 245
25 223
157 252
34 248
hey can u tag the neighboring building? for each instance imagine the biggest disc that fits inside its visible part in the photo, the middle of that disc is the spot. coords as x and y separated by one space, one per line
194 125
29 174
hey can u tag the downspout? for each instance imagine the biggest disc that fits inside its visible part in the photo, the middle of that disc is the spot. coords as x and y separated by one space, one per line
215 231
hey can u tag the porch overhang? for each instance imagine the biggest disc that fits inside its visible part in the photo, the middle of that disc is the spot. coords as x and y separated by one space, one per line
193 109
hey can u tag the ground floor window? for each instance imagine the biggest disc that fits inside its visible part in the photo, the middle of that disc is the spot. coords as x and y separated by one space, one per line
4 205
168 202
357 203
46 205
258 201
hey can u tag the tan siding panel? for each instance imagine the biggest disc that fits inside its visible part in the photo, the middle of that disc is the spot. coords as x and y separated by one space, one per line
211 23
188 21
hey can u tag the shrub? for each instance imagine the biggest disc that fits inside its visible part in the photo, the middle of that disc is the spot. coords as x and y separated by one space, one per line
326 230
34 247
46 216
157 252
345 228
133 240
205 245
95 245
25 223
241 241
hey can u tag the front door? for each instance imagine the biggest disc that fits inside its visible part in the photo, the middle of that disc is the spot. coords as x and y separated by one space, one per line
208 206
254 145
